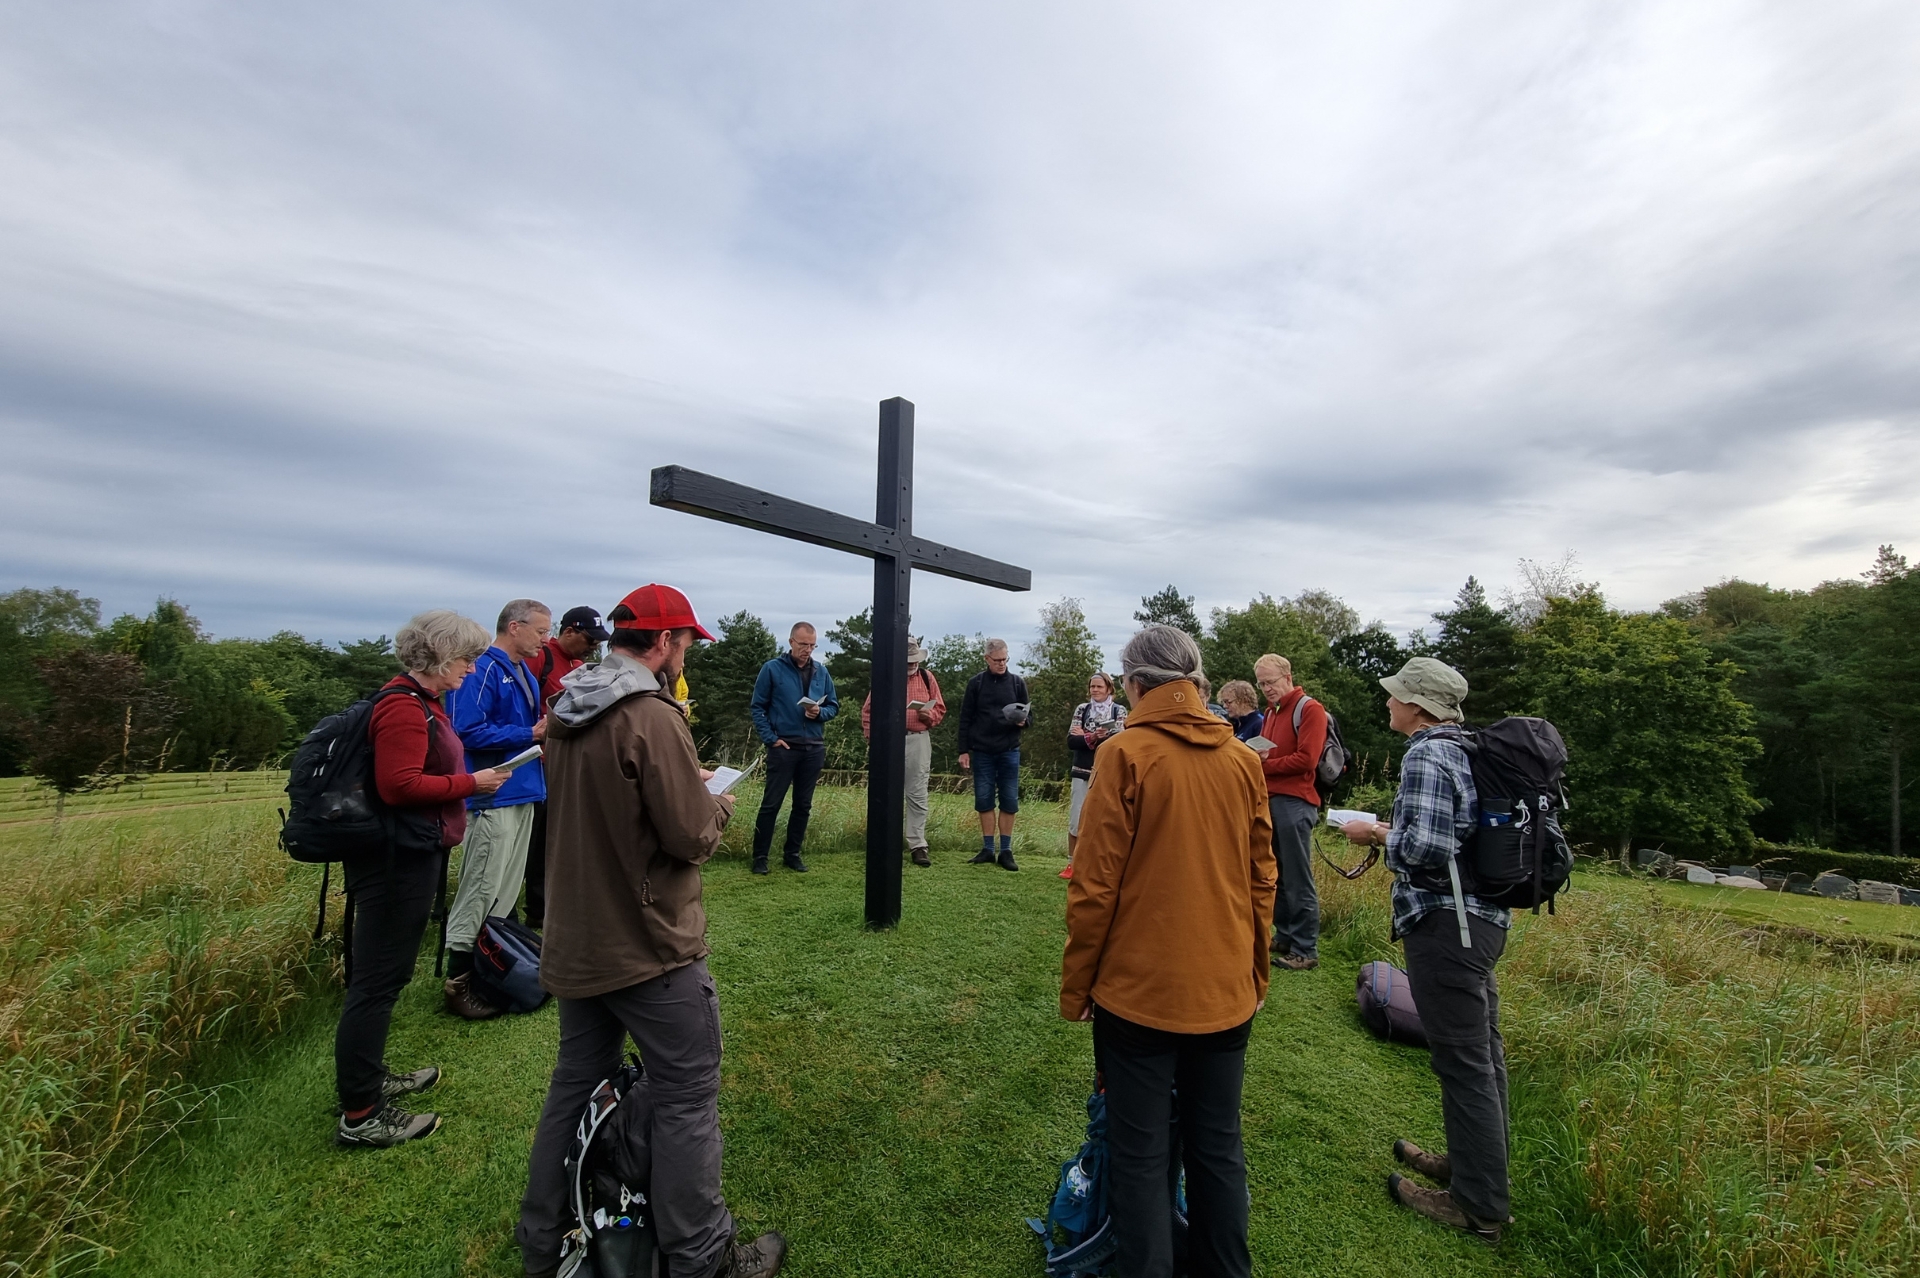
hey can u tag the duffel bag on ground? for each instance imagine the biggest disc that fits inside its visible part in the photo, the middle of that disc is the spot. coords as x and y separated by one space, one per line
1386 1004
506 966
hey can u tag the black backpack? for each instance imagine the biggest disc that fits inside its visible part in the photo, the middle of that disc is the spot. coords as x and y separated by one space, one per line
1334 756
609 1174
334 811
1517 856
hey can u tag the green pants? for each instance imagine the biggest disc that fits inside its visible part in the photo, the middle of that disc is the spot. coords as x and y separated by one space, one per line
492 864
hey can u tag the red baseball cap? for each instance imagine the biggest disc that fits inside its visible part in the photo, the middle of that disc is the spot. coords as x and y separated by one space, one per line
658 607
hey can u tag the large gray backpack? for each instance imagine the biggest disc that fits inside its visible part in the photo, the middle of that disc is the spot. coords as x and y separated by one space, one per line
1334 759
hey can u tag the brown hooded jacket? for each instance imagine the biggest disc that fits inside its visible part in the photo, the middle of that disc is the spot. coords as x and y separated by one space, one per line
629 823
1173 876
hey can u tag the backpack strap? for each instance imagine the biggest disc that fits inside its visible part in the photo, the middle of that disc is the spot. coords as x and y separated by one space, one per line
1299 712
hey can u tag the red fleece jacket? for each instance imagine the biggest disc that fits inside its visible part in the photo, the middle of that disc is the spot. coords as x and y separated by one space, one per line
414 770
1290 764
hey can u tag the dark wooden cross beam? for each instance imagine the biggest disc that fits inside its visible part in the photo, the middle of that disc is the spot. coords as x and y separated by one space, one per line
896 552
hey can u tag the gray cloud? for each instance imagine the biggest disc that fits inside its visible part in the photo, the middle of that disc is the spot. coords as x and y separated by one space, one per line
315 315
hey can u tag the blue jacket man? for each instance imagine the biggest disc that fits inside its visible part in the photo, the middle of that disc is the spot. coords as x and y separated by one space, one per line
794 734
494 716
498 712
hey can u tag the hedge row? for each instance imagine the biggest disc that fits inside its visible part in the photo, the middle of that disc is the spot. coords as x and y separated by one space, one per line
1784 858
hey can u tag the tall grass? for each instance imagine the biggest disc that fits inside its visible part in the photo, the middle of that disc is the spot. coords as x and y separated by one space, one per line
128 954
1740 1104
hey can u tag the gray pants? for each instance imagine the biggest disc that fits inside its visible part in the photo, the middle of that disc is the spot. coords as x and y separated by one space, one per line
1296 907
1459 1002
919 765
675 1021
492 864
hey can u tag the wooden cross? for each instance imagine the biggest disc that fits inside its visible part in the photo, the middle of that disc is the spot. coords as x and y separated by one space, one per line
896 552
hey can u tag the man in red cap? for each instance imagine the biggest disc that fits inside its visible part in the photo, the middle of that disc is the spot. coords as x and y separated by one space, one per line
625 950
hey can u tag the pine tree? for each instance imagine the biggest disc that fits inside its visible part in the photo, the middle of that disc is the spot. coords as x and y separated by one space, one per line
1480 642
720 679
1169 608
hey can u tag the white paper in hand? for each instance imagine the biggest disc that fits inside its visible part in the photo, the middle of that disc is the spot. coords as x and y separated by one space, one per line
723 780
1340 816
526 756
1261 744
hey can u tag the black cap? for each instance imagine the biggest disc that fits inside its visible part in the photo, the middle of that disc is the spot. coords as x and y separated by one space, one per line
587 622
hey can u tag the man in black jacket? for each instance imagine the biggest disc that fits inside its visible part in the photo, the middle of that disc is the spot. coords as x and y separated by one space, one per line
993 714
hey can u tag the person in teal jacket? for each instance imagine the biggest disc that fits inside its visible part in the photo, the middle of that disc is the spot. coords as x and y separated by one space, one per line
792 700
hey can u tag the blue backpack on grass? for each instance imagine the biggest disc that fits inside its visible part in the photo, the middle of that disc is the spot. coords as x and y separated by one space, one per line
1078 1232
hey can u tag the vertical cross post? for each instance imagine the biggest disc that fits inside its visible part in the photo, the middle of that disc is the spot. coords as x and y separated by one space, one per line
892 578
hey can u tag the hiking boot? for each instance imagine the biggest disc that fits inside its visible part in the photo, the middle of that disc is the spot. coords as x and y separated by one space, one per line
1006 860
760 1258
384 1128
760 865
920 857
983 857
1295 962
462 1001
1438 1204
1435 1167
394 1086
793 862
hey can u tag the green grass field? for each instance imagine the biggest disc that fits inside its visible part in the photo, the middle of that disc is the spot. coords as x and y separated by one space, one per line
1691 1096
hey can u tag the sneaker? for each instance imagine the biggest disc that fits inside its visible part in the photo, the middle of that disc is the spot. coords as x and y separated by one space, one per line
394 1086
920 857
384 1128
984 856
1438 1205
1295 962
760 865
793 862
1006 860
760 1258
463 1002
1435 1167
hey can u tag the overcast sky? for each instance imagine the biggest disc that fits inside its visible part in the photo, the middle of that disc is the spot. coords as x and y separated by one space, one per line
314 315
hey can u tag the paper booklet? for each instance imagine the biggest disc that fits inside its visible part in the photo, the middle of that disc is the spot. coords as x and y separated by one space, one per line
807 703
724 779
1261 744
1340 816
921 706
527 755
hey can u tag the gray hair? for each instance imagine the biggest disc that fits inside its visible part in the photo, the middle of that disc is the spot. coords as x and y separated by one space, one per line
996 645
1161 654
435 641
519 610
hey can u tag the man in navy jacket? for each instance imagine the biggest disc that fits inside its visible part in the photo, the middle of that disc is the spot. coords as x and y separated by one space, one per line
498 712
792 700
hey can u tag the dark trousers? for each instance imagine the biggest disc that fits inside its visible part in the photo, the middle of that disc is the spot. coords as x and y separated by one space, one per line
392 898
1296 907
1144 1068
1459 1002
537 870
675 1022
798 766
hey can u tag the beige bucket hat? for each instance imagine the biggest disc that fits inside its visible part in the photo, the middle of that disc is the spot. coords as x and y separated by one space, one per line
1434 686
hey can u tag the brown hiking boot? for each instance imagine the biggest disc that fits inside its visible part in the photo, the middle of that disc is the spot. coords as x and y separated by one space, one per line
462 1001
920 857
1435 1167
1438 1205
1295 962
760 1258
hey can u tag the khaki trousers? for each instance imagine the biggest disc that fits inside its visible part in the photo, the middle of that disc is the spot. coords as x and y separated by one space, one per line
492 865
919 765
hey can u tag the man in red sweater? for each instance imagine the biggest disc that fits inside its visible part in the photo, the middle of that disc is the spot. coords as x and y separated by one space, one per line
1295 806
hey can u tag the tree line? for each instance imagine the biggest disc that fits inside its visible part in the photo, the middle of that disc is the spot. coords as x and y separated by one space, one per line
1735 712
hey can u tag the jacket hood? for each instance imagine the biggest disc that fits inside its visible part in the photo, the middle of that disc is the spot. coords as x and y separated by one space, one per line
591 691
1178 708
